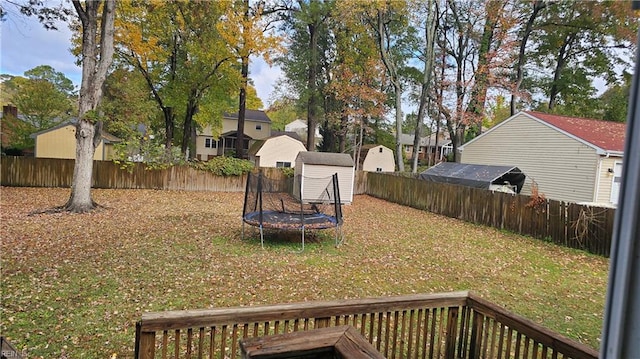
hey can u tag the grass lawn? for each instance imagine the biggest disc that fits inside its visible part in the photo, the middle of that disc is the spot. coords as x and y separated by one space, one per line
75 285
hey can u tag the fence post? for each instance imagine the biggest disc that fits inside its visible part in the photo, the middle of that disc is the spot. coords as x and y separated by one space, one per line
452 332
145 344
476 335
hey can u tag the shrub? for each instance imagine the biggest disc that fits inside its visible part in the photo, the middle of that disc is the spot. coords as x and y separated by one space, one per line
287 171
225 166
149 151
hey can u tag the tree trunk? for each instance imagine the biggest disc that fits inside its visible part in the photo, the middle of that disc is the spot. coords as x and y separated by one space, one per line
429 33
242 107
312 88
538 5
475 109
242 98
188 128
395 81
87 139
169 125
560 64
96 59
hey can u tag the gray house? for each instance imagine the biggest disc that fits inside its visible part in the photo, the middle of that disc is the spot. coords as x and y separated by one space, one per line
570 159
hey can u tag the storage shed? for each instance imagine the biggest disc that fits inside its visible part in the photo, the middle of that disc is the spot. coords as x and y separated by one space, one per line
478 176
377 158
323 165
276 151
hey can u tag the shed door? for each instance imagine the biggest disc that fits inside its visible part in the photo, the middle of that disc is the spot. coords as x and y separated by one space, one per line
617 181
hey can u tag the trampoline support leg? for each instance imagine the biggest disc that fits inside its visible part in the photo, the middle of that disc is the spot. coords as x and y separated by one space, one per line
261 237
242 231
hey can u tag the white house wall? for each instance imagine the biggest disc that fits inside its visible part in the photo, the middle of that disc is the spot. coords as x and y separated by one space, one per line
376 159
606 178
564 168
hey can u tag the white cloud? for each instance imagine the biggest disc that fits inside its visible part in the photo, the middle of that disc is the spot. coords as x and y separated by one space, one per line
264 78
25 44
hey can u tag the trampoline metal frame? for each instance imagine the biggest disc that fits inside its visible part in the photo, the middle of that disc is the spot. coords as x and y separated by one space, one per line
339 236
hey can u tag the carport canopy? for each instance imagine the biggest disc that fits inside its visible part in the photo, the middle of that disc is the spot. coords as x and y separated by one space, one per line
470 175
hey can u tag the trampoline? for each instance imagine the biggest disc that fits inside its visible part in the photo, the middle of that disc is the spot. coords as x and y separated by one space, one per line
277 205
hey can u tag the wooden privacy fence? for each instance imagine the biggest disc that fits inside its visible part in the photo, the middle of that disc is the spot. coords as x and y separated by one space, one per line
568 224
446 325
48 172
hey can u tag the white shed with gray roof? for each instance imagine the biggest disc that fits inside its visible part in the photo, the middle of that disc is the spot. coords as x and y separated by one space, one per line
324 164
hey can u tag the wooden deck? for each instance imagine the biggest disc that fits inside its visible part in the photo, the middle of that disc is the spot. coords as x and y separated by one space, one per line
447 325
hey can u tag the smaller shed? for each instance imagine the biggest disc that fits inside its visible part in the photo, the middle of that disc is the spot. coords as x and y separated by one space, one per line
324 165
377 158
479 176
275 151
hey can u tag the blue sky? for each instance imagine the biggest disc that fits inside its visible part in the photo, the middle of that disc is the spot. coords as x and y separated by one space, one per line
25 44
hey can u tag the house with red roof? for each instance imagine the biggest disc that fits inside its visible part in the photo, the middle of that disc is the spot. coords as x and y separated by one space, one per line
570 159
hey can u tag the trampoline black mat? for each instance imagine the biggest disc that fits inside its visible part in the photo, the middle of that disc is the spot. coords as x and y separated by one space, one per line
282 220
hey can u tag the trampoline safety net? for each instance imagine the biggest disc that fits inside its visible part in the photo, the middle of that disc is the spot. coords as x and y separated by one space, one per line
276 204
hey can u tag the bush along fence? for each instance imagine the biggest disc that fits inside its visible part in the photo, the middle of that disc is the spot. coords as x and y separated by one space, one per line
567 224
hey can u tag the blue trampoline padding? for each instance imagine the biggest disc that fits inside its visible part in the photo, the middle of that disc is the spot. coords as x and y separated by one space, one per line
282 220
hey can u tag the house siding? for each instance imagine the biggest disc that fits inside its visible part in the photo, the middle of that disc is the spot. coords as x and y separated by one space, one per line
203 152
250 130
606 178
563 167
61 143
376 159
279 149
346 177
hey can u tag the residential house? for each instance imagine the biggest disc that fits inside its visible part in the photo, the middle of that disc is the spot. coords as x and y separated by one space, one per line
300 127
276 151
377 158
427 146
60 142
257 126
570 159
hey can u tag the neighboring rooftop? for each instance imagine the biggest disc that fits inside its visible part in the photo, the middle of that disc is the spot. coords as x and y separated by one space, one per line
291 134
606 135
253 115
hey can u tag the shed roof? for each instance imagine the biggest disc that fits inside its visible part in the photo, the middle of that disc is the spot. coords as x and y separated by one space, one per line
291 134
479 176
326 158
258 144
606 135
251 115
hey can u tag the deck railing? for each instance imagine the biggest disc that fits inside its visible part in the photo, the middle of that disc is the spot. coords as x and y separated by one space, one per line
448 325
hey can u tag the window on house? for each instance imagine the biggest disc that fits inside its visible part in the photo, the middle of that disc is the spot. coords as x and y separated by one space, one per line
380 149
378 169
258 127
283 164
209 143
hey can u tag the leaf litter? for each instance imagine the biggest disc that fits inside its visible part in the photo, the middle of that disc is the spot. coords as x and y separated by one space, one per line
75 284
